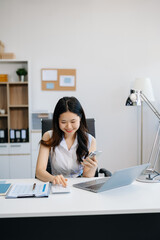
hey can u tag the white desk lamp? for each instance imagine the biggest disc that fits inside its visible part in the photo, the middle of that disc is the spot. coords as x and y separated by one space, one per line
142 91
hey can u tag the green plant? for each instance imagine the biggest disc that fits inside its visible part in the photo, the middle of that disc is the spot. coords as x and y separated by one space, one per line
21 71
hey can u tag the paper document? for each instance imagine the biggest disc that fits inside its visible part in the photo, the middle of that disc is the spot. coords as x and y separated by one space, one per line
60 189
67 81
49 75
22 190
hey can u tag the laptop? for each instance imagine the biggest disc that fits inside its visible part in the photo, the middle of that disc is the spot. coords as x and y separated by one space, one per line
118 179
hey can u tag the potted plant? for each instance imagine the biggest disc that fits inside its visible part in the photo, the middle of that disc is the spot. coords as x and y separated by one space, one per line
21 72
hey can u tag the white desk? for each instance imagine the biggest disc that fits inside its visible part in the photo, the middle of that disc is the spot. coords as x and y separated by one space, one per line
139 200
135 198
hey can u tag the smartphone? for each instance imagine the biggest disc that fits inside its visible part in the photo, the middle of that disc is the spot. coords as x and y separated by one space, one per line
94 153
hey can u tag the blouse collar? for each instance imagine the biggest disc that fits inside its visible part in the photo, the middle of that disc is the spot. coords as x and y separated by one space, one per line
64 144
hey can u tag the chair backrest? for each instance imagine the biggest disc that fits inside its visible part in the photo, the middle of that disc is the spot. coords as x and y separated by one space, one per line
47 125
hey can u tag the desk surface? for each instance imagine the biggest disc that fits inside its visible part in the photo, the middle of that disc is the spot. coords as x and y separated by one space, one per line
136 198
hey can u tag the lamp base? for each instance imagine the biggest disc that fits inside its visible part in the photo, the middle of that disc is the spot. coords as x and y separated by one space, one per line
149 178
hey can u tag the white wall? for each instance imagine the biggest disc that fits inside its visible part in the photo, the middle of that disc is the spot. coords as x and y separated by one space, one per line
110 43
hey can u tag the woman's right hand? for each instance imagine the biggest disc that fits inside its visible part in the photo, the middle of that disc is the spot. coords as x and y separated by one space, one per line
59 179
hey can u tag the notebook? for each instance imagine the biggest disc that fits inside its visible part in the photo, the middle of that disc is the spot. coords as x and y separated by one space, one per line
118 179
4 188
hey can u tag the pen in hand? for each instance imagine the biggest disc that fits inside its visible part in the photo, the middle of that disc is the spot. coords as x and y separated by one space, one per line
34 185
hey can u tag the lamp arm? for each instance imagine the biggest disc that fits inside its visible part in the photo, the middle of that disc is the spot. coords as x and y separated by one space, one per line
150 105
156 142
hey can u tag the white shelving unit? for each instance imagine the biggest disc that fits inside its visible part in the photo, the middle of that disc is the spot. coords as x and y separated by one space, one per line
15 157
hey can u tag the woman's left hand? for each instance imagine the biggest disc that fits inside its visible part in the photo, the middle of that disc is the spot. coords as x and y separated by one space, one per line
90 165
90 162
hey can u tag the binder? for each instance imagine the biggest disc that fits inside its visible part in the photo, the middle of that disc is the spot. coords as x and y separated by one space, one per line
3 135
17 135
12 135
23 135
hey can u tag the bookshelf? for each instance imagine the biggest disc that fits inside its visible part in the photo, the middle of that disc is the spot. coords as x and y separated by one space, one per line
14 101
15 153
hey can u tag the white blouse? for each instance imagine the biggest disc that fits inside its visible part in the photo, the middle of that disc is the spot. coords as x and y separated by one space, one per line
64 161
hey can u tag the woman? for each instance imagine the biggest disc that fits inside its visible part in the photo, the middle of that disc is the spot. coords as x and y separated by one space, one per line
69 143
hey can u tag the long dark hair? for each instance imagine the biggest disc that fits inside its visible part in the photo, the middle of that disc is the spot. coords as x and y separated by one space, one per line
70 104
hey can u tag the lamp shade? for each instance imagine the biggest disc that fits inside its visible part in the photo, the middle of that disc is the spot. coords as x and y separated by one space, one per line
144 85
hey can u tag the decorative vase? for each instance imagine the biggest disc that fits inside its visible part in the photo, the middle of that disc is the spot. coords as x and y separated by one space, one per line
22 78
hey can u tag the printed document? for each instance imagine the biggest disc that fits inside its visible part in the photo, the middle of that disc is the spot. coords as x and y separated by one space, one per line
21 190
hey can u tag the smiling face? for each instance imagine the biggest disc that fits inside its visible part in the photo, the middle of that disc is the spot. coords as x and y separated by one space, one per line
69 123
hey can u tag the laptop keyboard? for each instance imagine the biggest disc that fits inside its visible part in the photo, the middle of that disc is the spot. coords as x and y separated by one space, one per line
95 187
94 184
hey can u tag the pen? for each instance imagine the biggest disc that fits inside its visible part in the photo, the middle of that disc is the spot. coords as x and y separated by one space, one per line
34 185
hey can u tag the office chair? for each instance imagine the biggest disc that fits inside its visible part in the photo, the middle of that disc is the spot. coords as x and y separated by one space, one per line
46 125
